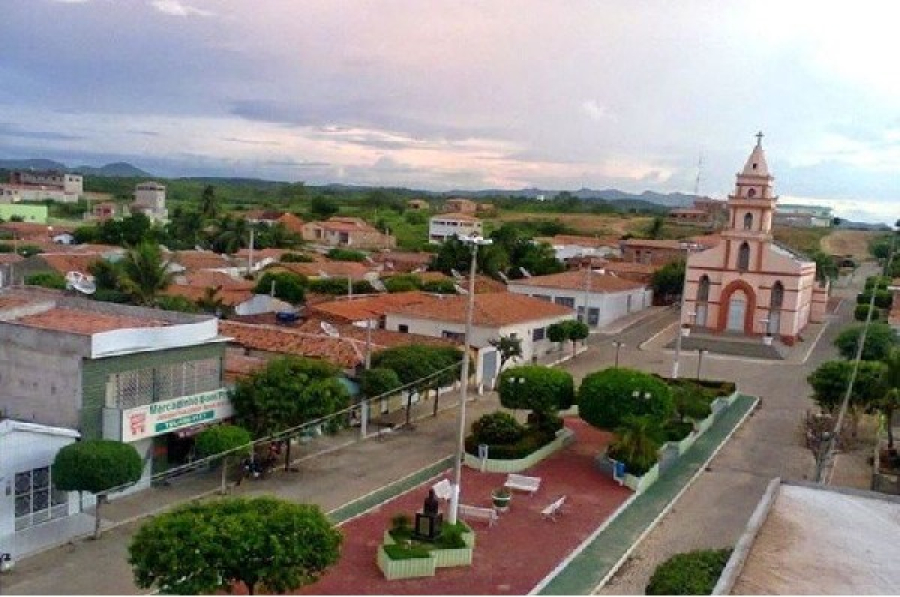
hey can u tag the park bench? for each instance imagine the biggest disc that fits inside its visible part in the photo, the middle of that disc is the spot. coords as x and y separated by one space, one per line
553 509
443 489
488 514
522 483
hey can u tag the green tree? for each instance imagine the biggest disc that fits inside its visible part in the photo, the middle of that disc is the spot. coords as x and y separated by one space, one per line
210 547
378 382
454 254
47 280
826 267
542 390
881 338
830 379
231 235
229 440
420 367
508 347
289 286
286 393
606 397
571 330
402 283
887 402
691 573
668 281
144 273
96 466
323 207
655 229
106 274
637 443
209 204
176 303
339 254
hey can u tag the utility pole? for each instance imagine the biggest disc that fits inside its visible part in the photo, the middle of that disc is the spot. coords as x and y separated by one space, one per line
364 405
250 252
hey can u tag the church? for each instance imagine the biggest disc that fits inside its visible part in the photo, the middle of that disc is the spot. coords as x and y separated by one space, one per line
749 284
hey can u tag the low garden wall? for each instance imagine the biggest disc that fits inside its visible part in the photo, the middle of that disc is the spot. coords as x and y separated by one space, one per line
396 569
670 452
564 437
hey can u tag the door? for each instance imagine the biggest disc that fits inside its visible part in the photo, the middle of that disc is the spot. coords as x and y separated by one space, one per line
702 310
737 308
774 323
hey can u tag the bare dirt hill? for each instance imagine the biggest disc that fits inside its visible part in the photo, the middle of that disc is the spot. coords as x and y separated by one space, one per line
849 242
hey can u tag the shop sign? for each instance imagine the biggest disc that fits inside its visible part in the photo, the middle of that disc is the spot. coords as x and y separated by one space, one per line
158 418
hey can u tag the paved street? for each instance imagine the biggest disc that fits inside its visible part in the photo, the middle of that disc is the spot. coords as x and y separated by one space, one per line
711 514
715 509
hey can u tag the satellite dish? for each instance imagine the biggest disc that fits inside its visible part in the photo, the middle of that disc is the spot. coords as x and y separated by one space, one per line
525 272
419 270
456 274
329 330
503 277
460 289
323 275
80 282
378 285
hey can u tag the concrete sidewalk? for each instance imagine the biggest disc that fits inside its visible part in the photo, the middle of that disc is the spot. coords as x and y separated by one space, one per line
601 557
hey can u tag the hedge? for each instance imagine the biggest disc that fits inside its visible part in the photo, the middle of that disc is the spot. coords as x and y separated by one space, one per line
691 573
530 442
606 397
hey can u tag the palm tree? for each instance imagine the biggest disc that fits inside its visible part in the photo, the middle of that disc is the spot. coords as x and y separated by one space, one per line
231 235
637 443
211 302
144 273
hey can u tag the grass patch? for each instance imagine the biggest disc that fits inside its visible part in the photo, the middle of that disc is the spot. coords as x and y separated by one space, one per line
401 551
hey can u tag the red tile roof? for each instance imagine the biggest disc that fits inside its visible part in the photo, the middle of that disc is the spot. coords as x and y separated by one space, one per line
6 258
229 296
79 321
29 230
196 260
577 280
334 269
491 310
370 307
292 223
340 351
214 279
238 365
70 262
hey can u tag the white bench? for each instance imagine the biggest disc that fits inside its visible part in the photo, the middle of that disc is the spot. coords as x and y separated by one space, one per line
553 509
522 483
443 489
488 514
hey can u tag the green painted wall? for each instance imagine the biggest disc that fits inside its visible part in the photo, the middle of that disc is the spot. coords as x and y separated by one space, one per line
30 213
95 372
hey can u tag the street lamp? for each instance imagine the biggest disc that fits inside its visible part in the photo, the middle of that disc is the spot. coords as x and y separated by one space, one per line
475 242
676 363
700 353
618 345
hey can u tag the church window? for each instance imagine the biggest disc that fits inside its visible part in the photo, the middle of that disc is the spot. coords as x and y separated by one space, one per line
748 221
752 192
754 166
777 295
703 289
743 263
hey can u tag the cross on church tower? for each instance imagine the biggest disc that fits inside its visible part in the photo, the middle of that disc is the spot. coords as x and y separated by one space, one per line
759 137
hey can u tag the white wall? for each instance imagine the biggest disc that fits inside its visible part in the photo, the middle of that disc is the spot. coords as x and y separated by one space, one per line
25 447
611 305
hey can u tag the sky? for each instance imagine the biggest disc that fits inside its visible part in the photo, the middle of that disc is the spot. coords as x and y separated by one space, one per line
441 95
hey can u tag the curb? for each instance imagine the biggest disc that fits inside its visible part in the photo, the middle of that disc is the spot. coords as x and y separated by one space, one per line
672 503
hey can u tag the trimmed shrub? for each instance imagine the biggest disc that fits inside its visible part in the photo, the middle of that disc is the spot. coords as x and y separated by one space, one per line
691 573
402 283
296 258
439 286
346 255
606 397
497 428
861 312
532 441
545 390
677 430
883 298
47 280
880 339
691 402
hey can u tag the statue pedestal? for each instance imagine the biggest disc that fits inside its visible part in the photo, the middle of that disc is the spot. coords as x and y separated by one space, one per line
428 526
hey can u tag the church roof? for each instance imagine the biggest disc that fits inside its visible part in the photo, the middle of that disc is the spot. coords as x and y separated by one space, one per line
756 164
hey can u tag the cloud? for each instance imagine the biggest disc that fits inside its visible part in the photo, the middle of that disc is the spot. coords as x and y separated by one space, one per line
596 111
12 130
177 8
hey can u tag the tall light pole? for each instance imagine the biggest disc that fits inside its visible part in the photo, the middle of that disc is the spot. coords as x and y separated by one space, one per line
676 363
618 345
452 515
700 353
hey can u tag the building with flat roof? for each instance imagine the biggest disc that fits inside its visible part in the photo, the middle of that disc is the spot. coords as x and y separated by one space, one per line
150 200
806 216
444 226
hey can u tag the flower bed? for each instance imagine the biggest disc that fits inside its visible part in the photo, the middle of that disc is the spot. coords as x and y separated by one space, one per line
397 560
563 438
413 567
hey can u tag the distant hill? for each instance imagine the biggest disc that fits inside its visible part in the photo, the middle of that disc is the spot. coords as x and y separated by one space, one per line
611 195
115 170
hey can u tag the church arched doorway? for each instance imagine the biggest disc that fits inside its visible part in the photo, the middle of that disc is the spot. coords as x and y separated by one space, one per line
737 311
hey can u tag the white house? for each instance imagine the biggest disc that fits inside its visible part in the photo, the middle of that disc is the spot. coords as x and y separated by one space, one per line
444 226
496 314
34 515
608 297
568 246
150 200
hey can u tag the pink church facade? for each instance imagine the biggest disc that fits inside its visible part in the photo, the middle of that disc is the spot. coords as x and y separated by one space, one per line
749 284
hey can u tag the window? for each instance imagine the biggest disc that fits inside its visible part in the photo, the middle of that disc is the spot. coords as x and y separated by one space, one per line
777 295
543 297
36 501
752 192
538 334
748 221
703 289
593 316
565 301
130 389
743 263
457 336
403 328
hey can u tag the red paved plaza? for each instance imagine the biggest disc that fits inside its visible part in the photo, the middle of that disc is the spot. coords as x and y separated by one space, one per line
511 557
